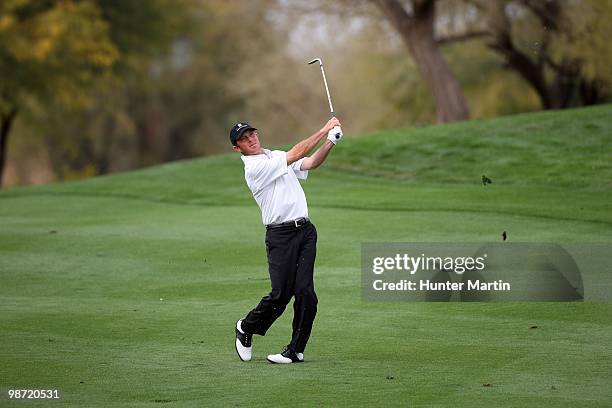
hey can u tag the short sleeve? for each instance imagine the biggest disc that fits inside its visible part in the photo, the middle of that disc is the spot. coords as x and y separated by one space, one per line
262 172
299 173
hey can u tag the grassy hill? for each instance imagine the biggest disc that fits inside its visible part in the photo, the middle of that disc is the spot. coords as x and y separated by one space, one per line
123 290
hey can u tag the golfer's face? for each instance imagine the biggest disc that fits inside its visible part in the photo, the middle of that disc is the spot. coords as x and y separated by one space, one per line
249 143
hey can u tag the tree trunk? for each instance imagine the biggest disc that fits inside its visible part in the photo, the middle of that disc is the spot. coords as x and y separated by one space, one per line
501 43
532 73
417 32
554 95
591 92
6 121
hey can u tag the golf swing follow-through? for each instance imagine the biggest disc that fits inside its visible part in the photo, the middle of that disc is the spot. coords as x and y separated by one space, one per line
336 131
291 237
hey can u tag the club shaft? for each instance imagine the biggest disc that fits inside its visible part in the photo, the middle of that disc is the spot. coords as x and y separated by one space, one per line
331 108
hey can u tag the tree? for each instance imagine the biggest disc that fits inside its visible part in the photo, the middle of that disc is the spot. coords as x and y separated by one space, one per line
114 130
185 71
558 47
589 43
50 52
415 24
72 94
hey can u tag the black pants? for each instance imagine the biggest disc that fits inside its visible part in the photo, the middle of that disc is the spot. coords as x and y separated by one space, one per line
291 257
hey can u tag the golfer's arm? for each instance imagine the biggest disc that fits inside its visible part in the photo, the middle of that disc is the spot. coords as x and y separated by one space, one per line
304 147
318 157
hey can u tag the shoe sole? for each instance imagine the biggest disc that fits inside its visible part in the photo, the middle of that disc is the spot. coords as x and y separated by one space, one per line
293 362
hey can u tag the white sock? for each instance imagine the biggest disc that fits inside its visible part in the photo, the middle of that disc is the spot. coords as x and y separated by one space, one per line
239 326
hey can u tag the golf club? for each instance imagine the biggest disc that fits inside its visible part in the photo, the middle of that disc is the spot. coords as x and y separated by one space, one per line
337 130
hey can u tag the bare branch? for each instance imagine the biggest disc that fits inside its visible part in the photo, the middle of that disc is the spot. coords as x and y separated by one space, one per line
423 7
548 12
397 14
470 35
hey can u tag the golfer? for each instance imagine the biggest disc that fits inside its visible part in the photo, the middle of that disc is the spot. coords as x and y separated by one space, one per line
291 239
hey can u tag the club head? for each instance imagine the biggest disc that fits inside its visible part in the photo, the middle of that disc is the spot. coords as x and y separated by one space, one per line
316 60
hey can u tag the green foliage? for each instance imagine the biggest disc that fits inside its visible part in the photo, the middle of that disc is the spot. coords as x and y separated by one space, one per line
52 51
176 94
588 41
142 28
564 48
63 64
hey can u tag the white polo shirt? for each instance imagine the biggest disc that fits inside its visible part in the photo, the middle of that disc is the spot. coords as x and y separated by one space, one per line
275 186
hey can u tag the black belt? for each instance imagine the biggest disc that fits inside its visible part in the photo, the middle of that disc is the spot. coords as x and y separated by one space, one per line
300 222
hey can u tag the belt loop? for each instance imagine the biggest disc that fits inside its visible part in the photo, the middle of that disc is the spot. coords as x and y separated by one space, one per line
296 223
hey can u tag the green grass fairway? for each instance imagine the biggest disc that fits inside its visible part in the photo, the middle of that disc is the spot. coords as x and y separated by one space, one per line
84 267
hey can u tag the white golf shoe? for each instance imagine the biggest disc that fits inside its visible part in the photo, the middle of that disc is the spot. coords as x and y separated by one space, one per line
287 356
243 343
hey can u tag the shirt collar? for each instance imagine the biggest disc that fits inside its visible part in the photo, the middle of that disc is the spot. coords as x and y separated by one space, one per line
252 157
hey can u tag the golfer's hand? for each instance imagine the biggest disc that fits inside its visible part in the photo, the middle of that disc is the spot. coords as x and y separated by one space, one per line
333 122
335 134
